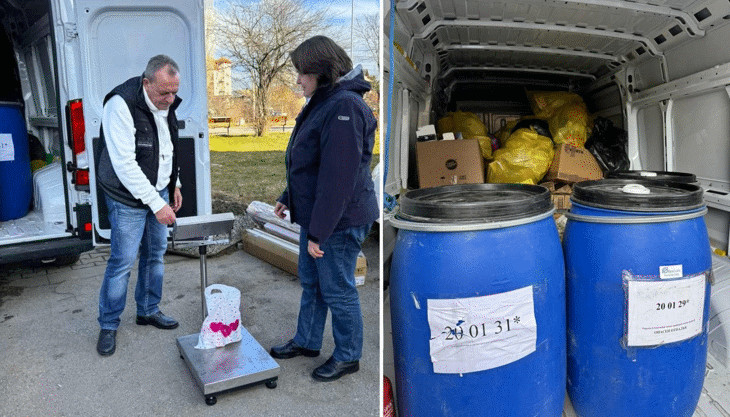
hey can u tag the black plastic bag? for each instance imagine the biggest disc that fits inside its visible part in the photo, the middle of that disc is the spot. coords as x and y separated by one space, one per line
609 144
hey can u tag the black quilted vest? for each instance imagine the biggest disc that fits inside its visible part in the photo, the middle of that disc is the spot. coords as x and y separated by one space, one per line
147 149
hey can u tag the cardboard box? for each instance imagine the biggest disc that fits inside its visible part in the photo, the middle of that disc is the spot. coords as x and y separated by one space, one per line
361 269
285 255
449 162
560 194
272 249
571 164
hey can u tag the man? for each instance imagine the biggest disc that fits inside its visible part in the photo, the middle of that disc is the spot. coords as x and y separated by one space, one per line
137 170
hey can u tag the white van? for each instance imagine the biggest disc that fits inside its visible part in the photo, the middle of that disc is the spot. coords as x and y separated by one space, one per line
658 69
61 57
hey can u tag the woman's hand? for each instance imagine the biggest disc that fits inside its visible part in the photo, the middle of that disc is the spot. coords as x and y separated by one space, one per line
279 210
314 250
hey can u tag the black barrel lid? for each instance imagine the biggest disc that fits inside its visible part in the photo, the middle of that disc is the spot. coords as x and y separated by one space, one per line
470 203
638 195
665 176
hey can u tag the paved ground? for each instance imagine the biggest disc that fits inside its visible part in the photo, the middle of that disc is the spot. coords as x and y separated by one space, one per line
48 332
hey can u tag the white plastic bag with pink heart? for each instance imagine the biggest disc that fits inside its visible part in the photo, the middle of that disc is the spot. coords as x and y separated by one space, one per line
223 323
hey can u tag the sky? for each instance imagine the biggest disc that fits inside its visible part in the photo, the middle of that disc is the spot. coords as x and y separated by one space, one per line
342 11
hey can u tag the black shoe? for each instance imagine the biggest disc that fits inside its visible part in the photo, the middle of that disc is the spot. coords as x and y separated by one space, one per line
333 370
158 320
107 343
290 349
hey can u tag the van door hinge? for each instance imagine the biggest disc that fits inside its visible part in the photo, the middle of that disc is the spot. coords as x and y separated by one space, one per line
70 30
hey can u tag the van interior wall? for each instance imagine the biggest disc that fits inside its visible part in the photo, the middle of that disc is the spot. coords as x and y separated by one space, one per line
28 74
28 77
700 125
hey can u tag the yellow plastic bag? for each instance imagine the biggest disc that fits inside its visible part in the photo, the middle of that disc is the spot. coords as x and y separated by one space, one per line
544 104
485 145
504 133
524 158
467 123
570 125
566 113
445 124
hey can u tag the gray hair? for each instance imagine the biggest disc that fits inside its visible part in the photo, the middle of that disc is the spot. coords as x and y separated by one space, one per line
159 62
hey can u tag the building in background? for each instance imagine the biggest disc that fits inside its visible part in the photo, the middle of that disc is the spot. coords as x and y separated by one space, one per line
219 76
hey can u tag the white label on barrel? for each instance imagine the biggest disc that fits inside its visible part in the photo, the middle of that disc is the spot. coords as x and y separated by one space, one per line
661 312
7 150
478 333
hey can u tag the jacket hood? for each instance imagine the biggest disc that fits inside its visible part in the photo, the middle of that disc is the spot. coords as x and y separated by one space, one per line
353 81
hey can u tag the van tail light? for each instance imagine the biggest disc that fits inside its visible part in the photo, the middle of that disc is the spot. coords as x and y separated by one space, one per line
77 131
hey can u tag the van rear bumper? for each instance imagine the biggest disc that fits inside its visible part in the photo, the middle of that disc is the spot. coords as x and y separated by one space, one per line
45 250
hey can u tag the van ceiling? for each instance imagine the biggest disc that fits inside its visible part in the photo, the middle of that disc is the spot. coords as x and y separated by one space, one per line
18 15
568 42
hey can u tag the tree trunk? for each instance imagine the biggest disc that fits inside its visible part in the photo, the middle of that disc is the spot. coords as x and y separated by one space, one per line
261 122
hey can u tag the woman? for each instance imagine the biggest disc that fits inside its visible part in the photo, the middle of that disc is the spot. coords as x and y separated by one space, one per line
331 195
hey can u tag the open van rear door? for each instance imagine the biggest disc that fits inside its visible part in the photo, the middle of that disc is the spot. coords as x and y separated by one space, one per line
117 38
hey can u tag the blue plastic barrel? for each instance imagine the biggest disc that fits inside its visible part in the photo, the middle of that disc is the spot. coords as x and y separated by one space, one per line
638 265
477 294
16 186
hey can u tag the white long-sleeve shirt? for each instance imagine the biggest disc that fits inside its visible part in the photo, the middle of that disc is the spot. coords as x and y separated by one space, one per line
119 135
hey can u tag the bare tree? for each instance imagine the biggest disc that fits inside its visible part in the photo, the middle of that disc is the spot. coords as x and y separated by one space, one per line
367 28
258 36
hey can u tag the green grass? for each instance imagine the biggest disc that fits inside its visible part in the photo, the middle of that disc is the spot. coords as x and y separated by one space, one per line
245 168
248 176
272 141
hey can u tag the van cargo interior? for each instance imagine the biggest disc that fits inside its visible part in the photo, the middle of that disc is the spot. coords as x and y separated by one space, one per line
30 79
659 69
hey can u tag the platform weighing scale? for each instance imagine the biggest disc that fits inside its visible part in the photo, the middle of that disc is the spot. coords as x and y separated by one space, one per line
236 365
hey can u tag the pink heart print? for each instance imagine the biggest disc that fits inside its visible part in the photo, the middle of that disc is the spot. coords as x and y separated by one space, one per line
225 329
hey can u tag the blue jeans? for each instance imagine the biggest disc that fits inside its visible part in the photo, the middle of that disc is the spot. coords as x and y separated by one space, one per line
133 231
329 282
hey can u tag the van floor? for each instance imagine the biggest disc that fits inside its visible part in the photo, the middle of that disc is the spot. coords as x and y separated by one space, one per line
715 397
30 228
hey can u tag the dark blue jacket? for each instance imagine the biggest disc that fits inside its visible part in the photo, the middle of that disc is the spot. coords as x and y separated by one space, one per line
329 185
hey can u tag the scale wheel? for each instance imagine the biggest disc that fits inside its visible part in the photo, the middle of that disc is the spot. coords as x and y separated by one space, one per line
271 384
210 399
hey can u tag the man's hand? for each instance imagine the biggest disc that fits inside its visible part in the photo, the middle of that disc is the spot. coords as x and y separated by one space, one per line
165 215
177 200
279 210
314 250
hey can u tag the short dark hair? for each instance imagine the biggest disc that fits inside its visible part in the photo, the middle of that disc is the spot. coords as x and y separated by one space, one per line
158 62
322 57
